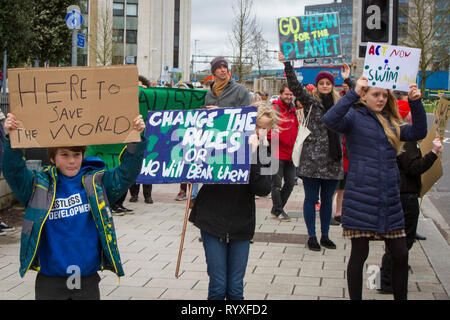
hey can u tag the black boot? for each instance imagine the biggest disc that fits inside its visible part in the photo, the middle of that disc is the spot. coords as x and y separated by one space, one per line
313 244
327 243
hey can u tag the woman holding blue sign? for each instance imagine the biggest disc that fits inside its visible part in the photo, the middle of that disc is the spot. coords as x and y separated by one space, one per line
321 157
374 133
225 215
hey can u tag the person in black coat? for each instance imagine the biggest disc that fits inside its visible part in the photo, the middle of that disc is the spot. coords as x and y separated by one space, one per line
411 165
225 215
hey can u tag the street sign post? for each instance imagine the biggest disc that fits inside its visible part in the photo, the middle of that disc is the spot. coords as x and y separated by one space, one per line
74 20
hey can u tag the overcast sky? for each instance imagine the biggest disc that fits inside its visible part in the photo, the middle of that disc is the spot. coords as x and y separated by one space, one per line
211 24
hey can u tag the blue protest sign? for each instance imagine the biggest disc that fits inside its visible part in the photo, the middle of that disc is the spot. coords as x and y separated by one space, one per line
198 146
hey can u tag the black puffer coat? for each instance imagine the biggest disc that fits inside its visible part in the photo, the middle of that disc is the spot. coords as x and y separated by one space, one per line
228 210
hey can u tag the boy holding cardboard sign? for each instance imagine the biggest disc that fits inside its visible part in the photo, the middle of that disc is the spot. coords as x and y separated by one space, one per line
68 231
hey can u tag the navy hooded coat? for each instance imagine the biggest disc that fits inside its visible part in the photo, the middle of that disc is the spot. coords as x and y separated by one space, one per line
372 191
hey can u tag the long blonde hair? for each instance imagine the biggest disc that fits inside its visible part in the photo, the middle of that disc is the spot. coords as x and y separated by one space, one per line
265 109
391 109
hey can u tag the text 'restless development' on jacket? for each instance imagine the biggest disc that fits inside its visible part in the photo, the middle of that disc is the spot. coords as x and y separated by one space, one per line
315 161
372 191
36 191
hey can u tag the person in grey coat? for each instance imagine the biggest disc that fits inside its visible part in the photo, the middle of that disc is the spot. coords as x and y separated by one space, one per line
224 91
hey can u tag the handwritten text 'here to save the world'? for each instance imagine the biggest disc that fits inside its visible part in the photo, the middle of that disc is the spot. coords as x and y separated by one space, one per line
65 106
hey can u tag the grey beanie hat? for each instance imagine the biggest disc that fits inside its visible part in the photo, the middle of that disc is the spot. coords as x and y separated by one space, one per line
217 62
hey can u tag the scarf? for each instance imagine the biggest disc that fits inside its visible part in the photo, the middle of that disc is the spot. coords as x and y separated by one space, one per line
334 141
219 85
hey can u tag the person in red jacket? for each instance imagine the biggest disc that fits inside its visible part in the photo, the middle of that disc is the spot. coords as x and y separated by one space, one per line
286 135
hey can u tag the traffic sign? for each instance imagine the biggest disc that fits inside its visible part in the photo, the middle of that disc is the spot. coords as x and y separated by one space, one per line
81 40
74 19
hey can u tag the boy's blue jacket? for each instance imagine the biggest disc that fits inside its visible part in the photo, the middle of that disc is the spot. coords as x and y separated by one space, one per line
36 191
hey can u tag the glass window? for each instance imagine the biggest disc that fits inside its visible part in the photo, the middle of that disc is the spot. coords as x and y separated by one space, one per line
117 35
118 9
131 36
131 10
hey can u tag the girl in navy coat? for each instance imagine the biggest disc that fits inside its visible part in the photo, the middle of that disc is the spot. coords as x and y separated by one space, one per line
373 129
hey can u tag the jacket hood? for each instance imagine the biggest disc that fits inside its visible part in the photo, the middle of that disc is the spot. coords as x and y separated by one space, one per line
92 163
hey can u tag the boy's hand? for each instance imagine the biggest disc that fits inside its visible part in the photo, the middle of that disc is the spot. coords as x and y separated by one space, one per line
139 124
211 107
414 92
281 57
11 123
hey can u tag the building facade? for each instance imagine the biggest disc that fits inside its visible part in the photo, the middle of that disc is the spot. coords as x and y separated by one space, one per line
345 9
152 34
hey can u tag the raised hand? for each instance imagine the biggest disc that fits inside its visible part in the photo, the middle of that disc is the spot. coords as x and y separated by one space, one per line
138 124
281 57
361 85
11 123
437 145
345 73
414 93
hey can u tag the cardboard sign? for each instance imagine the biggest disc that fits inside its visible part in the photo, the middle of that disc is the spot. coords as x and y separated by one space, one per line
391 67
441 115
432 175
311 36
151 99
198 146
74 105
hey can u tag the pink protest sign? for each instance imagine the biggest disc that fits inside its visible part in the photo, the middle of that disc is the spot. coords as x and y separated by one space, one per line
391 67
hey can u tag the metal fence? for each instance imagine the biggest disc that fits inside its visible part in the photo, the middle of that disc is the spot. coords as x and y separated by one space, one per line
4 103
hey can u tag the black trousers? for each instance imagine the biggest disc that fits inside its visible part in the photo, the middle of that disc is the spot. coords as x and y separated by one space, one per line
56 288
280 194
411 210
147 190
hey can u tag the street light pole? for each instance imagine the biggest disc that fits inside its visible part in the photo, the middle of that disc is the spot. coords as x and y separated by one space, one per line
195 51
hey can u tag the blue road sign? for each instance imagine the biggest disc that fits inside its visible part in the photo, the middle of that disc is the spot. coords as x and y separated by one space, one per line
81 40
74 19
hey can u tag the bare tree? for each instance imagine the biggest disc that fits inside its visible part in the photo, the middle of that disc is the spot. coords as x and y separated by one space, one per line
428 28
242 33
104 45
258 50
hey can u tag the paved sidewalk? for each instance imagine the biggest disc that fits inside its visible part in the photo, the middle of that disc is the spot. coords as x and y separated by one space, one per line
280 267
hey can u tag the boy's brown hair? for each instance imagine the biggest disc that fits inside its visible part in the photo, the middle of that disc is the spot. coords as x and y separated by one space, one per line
51 152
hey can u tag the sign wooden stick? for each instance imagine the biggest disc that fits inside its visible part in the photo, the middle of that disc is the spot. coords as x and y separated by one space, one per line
183 233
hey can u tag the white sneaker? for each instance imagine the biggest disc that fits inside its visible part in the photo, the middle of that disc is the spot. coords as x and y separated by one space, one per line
4 227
